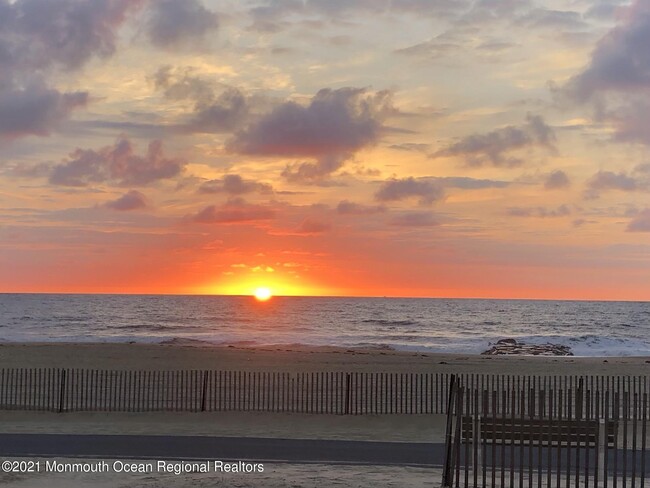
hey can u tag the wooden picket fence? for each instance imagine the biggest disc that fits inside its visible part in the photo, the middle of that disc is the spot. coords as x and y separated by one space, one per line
67 390
537 433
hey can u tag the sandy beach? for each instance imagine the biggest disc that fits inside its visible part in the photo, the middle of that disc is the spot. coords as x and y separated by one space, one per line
296 358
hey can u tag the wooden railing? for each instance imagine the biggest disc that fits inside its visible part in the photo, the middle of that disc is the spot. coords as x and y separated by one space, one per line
547 436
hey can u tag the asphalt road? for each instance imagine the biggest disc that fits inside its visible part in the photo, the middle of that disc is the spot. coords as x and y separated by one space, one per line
221 448
255 449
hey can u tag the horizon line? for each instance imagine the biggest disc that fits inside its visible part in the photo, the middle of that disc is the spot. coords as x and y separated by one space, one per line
409 297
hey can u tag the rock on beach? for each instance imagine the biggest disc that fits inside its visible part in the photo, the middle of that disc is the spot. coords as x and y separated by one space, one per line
512 347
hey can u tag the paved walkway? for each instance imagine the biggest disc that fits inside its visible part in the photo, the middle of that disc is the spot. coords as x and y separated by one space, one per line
221 448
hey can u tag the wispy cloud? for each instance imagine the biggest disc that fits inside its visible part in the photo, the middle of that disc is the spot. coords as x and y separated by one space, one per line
234 185
232 212
425 191
540 212
496 147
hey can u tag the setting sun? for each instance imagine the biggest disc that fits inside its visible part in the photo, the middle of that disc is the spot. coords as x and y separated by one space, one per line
263 294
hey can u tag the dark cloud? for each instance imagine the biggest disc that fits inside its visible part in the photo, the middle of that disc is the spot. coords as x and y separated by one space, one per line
233 211
557 180
631 120
346 207
217 108
227 112
400 189
35 110
36 34
608 180
539 212
415 219
617 78
39 35
117 163
466 183
234 185
431 189
640 223
175 23
132 200
333 126
334 122
621 60
495 147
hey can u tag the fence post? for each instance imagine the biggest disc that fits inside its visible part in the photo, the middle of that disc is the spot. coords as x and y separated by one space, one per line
580 399
205 390
602 441
347 393
451 407
62 391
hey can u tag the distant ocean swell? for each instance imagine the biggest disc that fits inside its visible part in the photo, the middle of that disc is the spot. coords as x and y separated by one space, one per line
432 325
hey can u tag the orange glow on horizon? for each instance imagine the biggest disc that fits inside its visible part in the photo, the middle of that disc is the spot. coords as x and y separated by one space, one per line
277 284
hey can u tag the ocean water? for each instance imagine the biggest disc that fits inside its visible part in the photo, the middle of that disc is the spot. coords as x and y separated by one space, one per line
440 325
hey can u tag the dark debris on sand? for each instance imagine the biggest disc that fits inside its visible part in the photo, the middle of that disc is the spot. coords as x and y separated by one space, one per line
512 347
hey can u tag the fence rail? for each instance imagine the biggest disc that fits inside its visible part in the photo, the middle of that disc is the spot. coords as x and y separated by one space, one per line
67 390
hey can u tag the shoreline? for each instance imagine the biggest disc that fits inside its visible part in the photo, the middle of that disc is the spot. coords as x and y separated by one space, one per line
380 297
186 354
544 349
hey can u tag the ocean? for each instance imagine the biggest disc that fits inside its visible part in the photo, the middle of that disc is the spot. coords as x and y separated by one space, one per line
418 324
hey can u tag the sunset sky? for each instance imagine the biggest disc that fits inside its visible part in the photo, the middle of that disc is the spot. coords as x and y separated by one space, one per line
443 148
